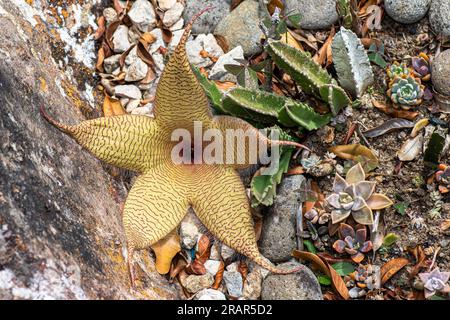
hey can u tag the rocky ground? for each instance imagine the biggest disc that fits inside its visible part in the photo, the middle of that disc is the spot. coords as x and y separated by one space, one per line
61 235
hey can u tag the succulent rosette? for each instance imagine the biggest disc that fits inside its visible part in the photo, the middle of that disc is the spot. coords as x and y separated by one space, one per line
353 242
406 91
398 70
435 281
355 196
421 66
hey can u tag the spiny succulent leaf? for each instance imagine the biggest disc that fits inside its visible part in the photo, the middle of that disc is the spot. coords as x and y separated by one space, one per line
305 116
300 66
336 97
351 62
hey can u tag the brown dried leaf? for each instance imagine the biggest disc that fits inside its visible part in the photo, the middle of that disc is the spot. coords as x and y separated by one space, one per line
222 42
324 55
100 59
112 107
176 267
308 39
196 267
421 262
101 22
332 260
235 3
203 249
219 276
118 7
396 113
144 54
165 250
358 153
167 35
336 279
392 267
373 21
110 32
445 224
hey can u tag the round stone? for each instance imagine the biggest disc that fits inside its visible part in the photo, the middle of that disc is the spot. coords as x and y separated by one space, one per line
407 11
440 73
315 14
439 16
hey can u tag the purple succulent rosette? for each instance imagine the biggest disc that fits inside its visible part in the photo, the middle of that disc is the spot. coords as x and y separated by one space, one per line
355 196
354 243
435 281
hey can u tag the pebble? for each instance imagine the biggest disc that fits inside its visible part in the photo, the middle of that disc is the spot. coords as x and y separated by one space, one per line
233 282
166 4
131 105
195 283
439 17
173 14
212 266
177 25
120 39
189 234
297 286
315 14
143 15
440 73
110 15
146 110
278 236
215 253
111 63
203 42
407 11
137 71
128 91
253 286
241 28
208 21
218 71
233 266
226 252
210 294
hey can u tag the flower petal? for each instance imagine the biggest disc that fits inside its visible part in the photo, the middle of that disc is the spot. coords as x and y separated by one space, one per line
361 235
346 231
358 204
339 246
355 174
366 247
358 257
351 251
339 215
333 200
379 201
363 216
364 189
339 184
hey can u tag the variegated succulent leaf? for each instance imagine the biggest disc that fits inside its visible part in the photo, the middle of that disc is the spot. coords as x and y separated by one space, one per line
351 62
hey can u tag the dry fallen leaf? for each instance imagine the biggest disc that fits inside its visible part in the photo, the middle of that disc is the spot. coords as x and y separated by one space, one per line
112 107
392 267
389 110
336 279
274 4
358 153
290 40
100 59
445 224
410 149
219 276
101 22
422 123
165 250
324 55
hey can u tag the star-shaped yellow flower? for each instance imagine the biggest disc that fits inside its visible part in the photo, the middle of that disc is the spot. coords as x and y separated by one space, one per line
164 191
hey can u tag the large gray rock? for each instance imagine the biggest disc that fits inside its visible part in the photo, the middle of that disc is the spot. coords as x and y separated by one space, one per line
440 72
407 11
439 16
316 14
297 286
241 28
278 236
208 21
60 217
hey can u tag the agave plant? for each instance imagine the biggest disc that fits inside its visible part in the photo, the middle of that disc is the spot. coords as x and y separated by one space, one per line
353 242
398 70
355 196
406 92
422 67
435 281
